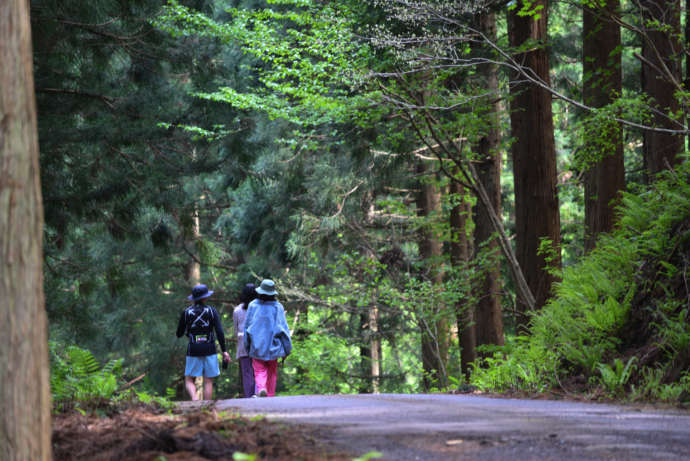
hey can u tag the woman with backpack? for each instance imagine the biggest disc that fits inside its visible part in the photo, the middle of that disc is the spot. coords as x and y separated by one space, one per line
201 323
266 337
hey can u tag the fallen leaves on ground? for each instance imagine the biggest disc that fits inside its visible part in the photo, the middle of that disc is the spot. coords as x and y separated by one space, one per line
142 434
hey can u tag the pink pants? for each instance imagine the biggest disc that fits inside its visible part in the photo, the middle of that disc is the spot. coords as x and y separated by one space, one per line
265 375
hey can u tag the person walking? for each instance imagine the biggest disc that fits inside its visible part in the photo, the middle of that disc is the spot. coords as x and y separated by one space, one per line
239 316
199 322
266 337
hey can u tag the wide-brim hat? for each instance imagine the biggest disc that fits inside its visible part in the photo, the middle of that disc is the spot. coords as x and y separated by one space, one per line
200 291
267 287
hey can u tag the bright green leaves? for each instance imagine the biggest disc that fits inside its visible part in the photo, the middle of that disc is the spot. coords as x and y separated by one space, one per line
307 57
527 8
600 129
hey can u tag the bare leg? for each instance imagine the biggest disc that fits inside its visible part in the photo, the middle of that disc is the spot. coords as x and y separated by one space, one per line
208 388
190 386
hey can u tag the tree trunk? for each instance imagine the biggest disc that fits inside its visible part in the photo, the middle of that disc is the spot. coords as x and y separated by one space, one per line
435 331
25 406
459 257
534 161
193 268
687 55
489 315
366 386
661 77
601 63
193 276
371 355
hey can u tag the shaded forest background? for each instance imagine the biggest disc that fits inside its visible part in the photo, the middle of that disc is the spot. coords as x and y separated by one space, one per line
448 193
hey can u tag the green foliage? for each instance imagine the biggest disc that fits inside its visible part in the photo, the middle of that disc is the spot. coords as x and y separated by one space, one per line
238 456
615 378
583 329
600 128
305 53
368 456
325 362
77 380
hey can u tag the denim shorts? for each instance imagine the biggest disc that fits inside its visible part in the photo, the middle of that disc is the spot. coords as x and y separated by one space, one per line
205 365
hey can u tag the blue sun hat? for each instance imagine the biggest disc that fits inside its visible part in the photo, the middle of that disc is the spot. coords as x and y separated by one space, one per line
200 291
267 287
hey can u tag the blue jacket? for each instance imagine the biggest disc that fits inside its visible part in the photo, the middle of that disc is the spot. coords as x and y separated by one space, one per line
266 333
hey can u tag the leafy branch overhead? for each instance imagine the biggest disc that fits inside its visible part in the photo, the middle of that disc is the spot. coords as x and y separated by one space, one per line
306 57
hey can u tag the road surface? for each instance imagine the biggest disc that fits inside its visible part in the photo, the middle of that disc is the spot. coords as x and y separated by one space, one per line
468 427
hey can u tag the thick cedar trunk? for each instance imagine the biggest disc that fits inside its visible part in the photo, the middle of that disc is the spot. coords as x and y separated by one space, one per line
601 63
459 256
25 406
534 161
489 315
435 331
661 66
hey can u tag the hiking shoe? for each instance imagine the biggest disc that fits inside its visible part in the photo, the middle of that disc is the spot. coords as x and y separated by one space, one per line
263 393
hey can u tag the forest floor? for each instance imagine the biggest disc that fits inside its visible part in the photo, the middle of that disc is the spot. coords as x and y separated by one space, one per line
215 430
144 433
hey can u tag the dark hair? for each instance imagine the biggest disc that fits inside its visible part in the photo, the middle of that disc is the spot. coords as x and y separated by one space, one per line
263 297
248 294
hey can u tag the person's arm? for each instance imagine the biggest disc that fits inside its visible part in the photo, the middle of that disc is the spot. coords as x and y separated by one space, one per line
284 334
220 335
248 319
181 326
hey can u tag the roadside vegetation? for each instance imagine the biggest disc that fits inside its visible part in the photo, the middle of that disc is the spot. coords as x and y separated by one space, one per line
452 196
617 327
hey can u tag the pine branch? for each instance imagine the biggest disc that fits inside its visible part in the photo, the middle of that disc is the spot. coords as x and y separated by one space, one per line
107 100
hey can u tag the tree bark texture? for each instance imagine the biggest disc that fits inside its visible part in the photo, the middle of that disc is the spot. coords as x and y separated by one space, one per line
435 331
661 77
489 315
459 257
687 55
534 160
601 63
25 406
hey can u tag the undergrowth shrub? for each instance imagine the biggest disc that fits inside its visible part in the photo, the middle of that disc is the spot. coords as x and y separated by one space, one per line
627 297
78 381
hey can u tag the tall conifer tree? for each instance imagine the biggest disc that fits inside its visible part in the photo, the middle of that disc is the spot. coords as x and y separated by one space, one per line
533 153
602 84
661 78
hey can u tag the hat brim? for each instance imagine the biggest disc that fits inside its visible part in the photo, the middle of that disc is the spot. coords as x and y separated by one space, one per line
205 295
267 293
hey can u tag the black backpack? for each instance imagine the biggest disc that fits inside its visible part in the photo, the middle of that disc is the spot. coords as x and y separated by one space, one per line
200 324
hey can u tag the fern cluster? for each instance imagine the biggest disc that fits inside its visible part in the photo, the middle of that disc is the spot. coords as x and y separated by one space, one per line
618 320
78 381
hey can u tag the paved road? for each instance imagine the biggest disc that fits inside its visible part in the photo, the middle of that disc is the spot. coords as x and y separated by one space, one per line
466 427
